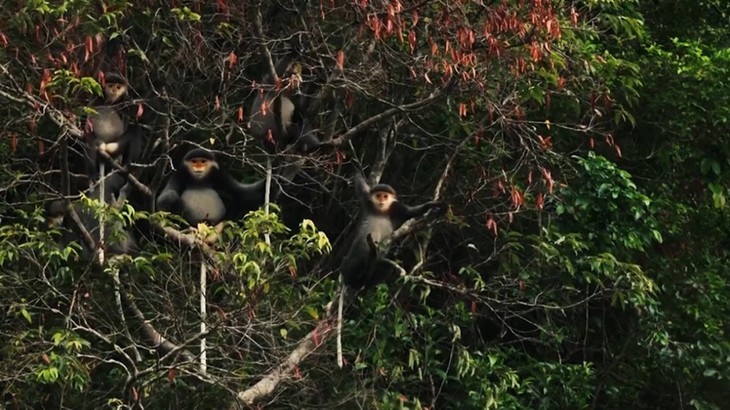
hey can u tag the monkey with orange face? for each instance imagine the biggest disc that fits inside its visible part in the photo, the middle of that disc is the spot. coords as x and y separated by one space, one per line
111 128
383 214
200 191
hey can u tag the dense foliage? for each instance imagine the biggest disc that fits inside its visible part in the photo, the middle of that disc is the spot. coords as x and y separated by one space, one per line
580 146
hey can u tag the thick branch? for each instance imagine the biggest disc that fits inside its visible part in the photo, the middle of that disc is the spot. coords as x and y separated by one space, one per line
305 347
125 173
81 228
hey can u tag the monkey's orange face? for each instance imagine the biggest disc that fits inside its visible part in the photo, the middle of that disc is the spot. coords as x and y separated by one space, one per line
200 167
114 92
382 201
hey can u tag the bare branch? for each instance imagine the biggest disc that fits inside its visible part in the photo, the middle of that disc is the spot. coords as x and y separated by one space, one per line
344 138
258 29
154 338
305 347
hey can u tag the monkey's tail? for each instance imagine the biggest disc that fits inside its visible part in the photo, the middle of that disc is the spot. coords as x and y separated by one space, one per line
339 323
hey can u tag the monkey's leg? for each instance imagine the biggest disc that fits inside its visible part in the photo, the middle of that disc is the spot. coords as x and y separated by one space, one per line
203 315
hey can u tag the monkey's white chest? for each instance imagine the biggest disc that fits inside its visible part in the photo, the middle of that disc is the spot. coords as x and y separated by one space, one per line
379 227
202 205
108 125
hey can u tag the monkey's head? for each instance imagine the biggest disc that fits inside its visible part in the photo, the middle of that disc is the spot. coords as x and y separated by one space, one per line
55 212
382 196
200 163
115 88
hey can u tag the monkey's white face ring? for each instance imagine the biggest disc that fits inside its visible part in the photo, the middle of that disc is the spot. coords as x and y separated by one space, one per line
113 92
382 201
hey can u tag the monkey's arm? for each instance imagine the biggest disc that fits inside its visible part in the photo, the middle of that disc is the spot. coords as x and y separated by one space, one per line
169 198
362 189
406 212
240 198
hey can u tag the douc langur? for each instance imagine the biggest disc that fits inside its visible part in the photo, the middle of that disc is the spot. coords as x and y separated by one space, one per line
383 213
56 212
277 116
117 241
112 129
200 191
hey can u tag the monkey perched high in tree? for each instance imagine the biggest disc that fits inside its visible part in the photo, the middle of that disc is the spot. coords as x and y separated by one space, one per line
382 214
112 129
200 191
277 115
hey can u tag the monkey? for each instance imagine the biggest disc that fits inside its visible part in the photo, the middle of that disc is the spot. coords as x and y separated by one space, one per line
201 191
120 242
55 212
278 117
111 128
383 213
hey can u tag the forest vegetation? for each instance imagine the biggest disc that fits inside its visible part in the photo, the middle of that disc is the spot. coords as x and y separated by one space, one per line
579 151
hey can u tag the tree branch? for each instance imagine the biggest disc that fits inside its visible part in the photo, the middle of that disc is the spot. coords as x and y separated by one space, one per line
435 95
305 347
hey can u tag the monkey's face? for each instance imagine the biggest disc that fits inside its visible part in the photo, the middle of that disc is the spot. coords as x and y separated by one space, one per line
113 92
200 167
382 201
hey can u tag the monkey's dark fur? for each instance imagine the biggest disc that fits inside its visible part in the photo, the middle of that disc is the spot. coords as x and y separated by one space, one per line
209 194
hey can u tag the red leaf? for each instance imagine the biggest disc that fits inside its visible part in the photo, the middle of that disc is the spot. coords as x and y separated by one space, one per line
340 60
315 337
171 375
412 40
232 59
140 110
492 225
